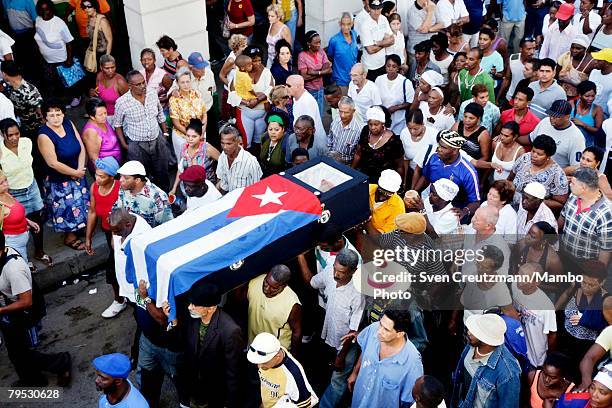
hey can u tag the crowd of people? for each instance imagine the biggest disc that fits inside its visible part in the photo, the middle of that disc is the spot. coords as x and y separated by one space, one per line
478 126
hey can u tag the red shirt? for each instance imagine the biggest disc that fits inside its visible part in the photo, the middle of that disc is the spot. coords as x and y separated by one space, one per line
104 203
306 60
239 12
526 126
15 222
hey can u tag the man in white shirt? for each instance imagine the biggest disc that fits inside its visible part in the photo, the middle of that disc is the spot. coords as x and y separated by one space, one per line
602 77
517 65
438 207
7 110
537 314
452 12
560 34
305 104
421 24
376 35
363 92
236 167
482 233
198 189
569 139
360 17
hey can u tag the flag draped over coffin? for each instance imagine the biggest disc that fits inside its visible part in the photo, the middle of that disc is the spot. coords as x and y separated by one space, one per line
178 253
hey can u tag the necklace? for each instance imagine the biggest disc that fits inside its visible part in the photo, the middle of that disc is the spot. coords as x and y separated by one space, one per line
373 146
481 354
467 74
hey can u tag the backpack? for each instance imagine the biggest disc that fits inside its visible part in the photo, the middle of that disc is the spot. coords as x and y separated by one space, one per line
34 314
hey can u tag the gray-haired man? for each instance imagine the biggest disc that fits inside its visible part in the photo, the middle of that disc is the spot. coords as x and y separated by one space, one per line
344 131
343 312
236 167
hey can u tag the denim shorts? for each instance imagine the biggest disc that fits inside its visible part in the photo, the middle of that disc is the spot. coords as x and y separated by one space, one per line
152 357
29 197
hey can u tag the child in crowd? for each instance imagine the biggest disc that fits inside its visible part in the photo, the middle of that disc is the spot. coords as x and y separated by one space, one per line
399 47
243 84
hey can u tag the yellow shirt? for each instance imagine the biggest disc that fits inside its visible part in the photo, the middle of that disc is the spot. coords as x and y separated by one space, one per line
18 167
270 314
243 85
383 214
605 339
186 107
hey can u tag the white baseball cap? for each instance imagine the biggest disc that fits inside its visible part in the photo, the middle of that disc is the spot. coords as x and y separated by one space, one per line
263 348
488 328
390 180
132 168
535 189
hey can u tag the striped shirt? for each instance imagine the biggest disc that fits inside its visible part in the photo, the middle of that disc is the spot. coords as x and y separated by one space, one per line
287 379
542 214
244 171
344 139
343 310
140 122
587 231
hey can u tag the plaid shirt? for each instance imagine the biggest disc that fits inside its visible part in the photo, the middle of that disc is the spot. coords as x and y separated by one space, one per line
589 231
140 122
344 140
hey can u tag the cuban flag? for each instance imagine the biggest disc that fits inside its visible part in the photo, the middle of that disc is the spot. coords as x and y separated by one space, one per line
178 253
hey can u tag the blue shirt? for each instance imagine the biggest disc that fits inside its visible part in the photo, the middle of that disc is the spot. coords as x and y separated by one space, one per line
21 14
388 382
344 56
461 172
513 10
134 399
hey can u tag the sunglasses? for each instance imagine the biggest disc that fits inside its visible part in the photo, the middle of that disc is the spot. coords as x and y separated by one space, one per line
86 6
261 353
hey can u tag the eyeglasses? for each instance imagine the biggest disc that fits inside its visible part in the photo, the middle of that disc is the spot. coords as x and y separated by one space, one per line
261 353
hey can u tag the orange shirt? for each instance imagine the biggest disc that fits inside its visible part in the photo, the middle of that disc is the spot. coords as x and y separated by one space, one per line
81 15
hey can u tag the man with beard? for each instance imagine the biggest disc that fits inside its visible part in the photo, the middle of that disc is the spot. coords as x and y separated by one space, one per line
112 371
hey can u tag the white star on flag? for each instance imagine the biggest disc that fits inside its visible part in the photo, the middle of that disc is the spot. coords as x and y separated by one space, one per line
269 197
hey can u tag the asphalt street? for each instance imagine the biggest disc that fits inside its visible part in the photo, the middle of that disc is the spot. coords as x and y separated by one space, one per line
73 323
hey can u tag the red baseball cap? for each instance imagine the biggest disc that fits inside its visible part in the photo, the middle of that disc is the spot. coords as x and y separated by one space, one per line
565 12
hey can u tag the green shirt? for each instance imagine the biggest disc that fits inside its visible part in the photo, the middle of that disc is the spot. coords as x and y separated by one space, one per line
467 82
203 330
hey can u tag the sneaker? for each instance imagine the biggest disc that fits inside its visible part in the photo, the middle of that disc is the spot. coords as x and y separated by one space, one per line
114 309
75 102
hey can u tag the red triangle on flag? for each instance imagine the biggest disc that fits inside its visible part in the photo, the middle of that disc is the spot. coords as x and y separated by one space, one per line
273 194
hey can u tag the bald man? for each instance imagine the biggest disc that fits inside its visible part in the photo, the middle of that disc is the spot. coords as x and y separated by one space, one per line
363 91
305 104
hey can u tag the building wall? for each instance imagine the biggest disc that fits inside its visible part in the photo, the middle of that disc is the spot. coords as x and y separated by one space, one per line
323 15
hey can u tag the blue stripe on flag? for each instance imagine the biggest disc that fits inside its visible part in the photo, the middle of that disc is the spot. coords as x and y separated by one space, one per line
252 241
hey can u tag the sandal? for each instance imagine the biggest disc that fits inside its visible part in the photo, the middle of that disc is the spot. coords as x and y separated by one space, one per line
46 259
77 245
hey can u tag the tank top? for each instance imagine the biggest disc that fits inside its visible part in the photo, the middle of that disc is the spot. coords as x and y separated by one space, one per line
110 143
587 118
102 41
108 95
506 165
471 145
198 159
15 222
104 203
535 401
272 40
67 150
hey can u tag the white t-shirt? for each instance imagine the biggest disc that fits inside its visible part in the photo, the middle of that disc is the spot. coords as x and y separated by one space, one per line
412 149
211 195
52 37
444 221
358 21
126 289
604 88
570 142
476 300
15 277
374 31
506 223
364 99
594 22
443 65
398 47
403 9
448 13
7 110
538 319
307 105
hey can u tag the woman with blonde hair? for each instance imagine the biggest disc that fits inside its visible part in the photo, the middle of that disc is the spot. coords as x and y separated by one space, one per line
277 31
279 99
237 43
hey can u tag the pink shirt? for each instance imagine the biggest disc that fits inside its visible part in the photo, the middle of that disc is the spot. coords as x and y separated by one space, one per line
307 60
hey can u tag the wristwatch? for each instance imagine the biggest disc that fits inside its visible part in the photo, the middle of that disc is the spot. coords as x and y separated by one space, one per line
147 301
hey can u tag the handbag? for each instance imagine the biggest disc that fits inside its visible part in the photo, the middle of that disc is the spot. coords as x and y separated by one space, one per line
71 75
226 30
91 60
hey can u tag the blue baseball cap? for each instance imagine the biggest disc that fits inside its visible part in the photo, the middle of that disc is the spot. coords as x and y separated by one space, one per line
197 61
115 365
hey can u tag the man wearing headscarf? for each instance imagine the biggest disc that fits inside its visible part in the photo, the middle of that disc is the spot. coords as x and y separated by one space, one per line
437 208
385 203
447 163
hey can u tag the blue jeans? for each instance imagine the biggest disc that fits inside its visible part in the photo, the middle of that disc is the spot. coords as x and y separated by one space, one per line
534 21
337 386
292 24
319 97
152 357
19 243
254 123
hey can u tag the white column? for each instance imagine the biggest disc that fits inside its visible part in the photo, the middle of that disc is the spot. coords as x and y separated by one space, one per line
182 20
323 15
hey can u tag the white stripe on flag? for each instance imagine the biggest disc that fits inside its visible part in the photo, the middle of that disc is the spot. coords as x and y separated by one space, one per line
139 244
170 261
